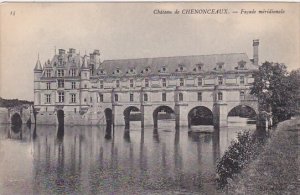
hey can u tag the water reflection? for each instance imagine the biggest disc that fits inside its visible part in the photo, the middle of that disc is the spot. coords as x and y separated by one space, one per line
92 160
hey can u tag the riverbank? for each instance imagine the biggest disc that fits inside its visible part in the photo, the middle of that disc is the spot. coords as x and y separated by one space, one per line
276 169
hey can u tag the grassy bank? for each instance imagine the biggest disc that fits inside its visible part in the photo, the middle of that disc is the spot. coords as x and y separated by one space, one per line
276 169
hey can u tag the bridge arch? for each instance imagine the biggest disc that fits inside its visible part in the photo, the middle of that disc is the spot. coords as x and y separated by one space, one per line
200 115
60 117
108 115
16 119
129 116
109 120
161 113
243 111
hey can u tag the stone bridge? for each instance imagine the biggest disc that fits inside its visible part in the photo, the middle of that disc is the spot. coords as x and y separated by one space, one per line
20 114
180 112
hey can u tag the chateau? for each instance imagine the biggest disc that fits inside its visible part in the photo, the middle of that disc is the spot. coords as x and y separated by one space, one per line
80 90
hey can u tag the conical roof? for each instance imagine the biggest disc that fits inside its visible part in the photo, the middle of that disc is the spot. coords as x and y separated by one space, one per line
38 65
85 62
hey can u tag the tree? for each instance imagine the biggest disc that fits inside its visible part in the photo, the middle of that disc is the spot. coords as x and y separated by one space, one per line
275 90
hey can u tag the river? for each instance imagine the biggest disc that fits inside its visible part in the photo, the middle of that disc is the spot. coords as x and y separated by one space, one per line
83 161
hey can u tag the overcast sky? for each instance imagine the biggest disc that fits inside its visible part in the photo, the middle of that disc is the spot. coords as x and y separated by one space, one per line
132 31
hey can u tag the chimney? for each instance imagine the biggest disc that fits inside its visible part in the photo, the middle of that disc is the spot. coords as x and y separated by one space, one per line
96 52
61 51
72 51
255 51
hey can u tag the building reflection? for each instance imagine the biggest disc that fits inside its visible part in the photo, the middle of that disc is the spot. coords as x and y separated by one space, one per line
82 159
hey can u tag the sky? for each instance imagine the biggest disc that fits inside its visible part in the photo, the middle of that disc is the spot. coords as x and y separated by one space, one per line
132 30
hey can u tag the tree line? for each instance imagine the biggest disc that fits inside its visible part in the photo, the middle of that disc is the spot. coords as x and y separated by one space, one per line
277 90
8 103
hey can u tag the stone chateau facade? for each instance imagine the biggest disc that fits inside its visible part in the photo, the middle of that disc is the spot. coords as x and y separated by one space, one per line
86 91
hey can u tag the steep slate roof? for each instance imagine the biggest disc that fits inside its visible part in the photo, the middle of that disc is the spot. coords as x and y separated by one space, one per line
172 63
74 60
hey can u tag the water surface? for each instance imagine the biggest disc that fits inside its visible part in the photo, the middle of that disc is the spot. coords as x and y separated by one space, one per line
83 161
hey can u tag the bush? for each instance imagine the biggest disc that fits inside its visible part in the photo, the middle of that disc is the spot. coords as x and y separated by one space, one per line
237 156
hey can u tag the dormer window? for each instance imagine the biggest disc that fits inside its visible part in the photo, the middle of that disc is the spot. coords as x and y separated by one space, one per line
73 72
163 69
181 68
146 70
241 64
102 72
220 65
198 67
117 71
60 73
131 71
48 73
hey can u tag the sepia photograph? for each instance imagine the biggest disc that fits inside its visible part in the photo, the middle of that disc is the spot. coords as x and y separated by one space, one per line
149 98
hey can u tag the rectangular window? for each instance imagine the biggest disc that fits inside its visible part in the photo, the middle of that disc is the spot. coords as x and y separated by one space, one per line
73 98
242 95
73 85
48 85
48 98
164 82
131 97
164 97
146 82
220 96
48 73
101 97
101 84
180 97
91 99
145 97
131 82
199 96
61 83
116 98
117 83
242 80
61 97
199 81
60 73
73 72
220 80
181 82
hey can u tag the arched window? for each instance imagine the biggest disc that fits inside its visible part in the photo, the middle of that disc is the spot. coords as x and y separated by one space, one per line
242 95
145 97
180 97
220 96
116 97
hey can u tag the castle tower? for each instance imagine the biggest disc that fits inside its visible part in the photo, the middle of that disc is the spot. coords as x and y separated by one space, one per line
37 75
84 82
